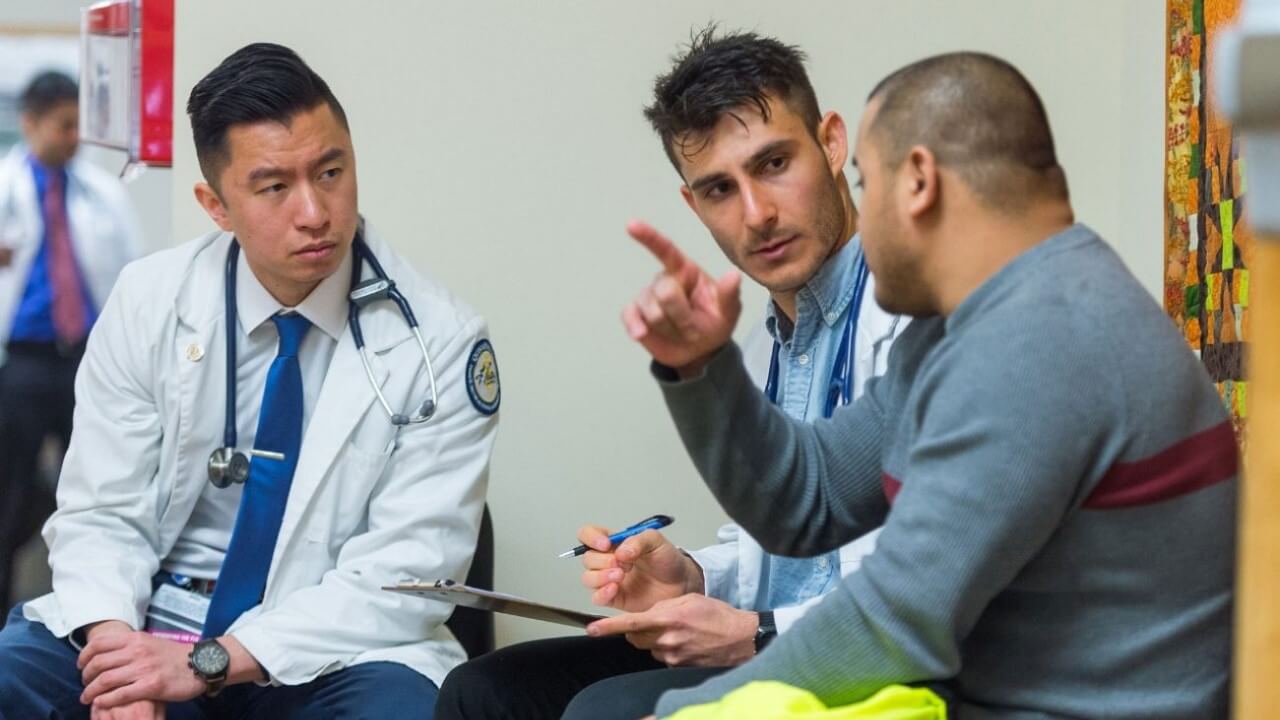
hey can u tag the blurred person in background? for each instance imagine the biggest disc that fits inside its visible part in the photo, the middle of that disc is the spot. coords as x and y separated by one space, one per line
66 230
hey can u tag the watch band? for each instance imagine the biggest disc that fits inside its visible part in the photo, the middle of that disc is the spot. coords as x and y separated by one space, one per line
214 684
766 631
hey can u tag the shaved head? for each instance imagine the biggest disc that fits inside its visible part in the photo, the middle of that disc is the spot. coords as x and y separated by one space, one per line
980 118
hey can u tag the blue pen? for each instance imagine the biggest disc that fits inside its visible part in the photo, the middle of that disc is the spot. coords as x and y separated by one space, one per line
653 523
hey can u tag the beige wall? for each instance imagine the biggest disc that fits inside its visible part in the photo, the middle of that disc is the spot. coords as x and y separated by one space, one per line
501 146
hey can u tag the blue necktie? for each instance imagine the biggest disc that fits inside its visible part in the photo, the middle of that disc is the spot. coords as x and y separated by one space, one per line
244 570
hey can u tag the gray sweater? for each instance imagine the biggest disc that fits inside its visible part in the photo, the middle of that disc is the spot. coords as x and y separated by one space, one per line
1059 481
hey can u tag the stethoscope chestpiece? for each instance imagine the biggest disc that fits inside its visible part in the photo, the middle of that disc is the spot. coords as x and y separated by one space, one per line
226 466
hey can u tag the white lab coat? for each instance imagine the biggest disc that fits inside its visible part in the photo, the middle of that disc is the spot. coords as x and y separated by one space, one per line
369 504
731 568
104 229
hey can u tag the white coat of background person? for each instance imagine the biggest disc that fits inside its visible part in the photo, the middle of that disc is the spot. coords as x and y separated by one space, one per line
105 231
53 204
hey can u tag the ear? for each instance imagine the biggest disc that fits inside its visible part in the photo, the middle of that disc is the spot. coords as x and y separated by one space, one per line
833 136
920 180
212 204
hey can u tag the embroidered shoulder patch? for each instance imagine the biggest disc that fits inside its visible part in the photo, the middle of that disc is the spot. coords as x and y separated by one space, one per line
482 378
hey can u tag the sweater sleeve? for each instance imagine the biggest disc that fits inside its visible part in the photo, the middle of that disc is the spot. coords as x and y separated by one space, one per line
827 477
997 461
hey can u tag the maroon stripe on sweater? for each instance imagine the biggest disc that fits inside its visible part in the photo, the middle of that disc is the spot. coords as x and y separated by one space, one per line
891 486
1193 463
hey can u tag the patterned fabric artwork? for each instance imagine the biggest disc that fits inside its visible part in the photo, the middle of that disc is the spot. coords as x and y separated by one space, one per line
1208 244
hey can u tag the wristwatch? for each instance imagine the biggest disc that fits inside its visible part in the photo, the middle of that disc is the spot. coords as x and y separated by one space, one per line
209 661
766 631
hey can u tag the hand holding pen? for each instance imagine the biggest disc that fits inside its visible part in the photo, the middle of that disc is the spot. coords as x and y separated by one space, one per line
640 570
654 522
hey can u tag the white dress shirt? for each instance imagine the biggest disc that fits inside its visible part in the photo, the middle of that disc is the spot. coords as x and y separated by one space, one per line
202 546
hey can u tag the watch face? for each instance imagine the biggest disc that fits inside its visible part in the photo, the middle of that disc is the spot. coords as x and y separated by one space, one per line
209 658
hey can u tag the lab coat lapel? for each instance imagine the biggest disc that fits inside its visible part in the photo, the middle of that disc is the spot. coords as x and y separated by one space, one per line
20 222
344 400
199 352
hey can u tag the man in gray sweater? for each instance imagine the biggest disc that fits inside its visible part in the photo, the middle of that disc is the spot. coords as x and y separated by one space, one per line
1055 473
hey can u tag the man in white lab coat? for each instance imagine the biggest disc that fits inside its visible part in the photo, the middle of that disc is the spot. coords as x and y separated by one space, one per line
66 231
175 595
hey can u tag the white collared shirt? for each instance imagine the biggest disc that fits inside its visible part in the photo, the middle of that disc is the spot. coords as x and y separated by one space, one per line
202 545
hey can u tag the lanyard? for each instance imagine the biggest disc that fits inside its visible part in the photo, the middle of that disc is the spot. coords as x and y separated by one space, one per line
840 385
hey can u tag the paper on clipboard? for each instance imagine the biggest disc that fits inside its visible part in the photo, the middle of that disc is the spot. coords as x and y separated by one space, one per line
464 596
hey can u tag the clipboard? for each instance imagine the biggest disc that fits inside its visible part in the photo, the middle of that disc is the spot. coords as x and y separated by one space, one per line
458 594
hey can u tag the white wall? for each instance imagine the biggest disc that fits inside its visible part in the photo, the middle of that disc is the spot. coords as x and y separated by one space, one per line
53 14
502 148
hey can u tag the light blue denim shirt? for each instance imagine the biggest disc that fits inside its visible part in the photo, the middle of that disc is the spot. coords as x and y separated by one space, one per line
807 352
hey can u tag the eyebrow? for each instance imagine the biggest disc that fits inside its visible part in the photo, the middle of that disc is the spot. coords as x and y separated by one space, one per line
264 173
328 157
268 172
706 180
756 158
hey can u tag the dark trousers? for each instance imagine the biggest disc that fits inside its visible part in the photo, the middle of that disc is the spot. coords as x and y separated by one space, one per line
573 677
38 679
37 397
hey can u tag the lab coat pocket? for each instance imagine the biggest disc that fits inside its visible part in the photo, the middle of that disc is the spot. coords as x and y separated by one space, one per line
342 508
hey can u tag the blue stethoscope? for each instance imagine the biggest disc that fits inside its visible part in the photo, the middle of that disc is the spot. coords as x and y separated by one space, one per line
228 465
840 386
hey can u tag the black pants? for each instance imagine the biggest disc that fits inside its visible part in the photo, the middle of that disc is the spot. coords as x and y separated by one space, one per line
37 396
603 678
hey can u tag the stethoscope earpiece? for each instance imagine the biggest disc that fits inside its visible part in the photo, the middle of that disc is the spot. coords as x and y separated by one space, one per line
427 408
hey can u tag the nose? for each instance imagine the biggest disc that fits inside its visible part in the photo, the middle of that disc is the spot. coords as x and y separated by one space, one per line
760 213
311 211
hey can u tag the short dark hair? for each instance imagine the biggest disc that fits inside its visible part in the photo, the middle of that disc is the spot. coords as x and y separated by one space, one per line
258 82
980 117
46 91
718 76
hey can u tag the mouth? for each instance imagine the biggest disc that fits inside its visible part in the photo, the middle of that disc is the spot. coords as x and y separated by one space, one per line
316 251
774 249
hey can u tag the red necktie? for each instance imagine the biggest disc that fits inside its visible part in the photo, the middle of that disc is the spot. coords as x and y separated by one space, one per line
68 295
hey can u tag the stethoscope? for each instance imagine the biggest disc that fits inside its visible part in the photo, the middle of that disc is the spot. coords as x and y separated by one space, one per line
840 386
228 465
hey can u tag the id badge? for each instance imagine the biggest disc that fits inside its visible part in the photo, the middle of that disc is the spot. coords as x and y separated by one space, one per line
176 611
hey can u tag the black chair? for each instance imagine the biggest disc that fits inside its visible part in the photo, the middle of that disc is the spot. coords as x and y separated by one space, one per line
474 628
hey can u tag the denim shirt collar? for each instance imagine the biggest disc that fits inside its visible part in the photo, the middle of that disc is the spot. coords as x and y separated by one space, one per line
823 299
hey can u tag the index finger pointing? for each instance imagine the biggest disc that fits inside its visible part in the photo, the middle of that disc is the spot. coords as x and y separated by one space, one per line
673 261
